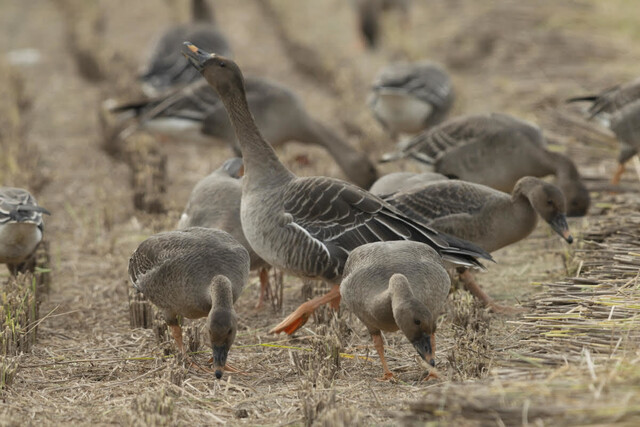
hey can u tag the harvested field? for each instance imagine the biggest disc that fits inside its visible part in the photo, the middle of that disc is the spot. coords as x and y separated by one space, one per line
571 359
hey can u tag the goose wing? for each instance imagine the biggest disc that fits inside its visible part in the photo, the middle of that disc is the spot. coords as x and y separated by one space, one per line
19 205
341 216
425 81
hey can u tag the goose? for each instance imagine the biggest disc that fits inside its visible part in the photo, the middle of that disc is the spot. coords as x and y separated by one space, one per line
618 108
279 113
397 285
495 150
196 272
308 225
215 203
411 97
368 14
489 218
166 68
403 181
21 227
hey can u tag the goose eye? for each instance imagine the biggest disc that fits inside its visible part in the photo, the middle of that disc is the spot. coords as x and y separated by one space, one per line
550 202
230 330
417 322
222 64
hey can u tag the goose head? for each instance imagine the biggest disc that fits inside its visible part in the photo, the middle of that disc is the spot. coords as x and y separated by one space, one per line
221 73
548 201
412 317
222 323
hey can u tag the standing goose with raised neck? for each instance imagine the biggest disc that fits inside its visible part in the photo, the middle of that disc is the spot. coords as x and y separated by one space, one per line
495 150
308 226
21 227
397 285
166 68
618 108
279 113
487 217
215 203
196 272
411 97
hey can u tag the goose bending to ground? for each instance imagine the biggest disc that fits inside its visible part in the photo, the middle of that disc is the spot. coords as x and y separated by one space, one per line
21 226
397 285
496 150
618 109
408 98
215 203
307 226
166 68
489 218
403 181
278 111
195 272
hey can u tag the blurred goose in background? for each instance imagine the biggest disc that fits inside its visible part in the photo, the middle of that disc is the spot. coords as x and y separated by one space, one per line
618 109
308 226
166 68
278 111
403 181
410 97
369 13
215 203
195 272
21 227
495 150
397 285
489 218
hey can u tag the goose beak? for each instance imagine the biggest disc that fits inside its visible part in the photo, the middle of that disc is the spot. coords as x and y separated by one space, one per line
220 353
560 226
423 346
197 57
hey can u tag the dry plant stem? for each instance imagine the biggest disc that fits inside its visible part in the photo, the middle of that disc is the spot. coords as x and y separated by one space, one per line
379 344
295 320
176 333
615 180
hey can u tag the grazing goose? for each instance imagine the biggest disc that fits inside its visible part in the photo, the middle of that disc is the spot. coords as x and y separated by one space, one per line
489 218
307 226
408 98
496 150
618 109
278 111
21 226
166 68
215 203
195 272
397 285
403 181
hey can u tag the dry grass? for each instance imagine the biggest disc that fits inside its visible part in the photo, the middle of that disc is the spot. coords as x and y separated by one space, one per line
571 359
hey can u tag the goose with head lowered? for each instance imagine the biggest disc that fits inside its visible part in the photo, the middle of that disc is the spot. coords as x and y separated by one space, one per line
487 217
496 150
279 112
215 203
196 272
308 226
21 227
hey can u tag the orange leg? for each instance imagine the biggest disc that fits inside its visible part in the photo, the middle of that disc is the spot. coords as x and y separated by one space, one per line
295 320
618 174
475 289
176 332
264 287
379 344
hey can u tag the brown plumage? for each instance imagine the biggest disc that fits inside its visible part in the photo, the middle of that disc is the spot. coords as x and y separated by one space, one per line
496 150
397 285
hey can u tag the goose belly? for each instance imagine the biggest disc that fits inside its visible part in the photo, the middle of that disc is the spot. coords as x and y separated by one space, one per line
18 241
402 113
